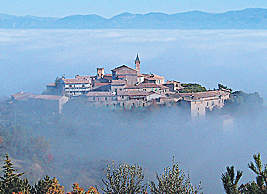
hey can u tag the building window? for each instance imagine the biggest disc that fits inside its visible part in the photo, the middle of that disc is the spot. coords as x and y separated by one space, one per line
93 98
106 98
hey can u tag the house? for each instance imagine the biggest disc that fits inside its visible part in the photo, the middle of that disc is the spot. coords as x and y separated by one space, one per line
124 72
174 85
153 78
199 103
101 97
44 104
148 87
75 87
118 85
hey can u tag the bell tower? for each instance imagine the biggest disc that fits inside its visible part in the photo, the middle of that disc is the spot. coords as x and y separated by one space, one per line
137 64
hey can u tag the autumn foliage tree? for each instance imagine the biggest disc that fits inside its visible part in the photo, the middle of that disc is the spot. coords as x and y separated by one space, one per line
79 190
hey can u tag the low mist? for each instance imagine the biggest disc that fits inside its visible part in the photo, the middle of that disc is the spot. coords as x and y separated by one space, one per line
84 139
33 58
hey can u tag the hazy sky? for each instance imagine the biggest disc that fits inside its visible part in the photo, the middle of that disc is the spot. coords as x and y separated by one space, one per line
109 8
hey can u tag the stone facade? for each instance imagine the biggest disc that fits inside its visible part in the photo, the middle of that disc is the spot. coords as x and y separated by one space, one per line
127 87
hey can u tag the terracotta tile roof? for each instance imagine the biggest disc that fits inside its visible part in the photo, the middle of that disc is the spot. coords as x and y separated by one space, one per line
100 94
150 78
108 75
46 97
123 66
21 96
121 76
118 82
133 93
76 81
163 87
26 96
52 84
85 77
199 95
144 85
101 84
153 76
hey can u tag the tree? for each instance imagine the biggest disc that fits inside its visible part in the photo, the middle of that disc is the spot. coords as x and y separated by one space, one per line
192 88
230 182
10 181
79 190
173 181
48 186
257 168
124 180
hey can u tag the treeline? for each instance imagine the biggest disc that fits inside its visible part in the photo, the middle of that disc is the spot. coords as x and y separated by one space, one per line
125 179
128 179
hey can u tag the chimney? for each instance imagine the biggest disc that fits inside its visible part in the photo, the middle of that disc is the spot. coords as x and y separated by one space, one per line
100 73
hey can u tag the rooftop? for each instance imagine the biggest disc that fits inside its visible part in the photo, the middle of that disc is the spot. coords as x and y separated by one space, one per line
123 66
100 94
76 81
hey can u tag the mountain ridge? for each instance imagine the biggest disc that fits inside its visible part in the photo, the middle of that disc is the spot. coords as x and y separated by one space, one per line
250 18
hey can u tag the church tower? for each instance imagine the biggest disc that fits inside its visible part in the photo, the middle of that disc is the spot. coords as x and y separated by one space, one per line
137 65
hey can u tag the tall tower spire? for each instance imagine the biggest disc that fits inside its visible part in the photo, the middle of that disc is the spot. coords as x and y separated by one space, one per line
137 64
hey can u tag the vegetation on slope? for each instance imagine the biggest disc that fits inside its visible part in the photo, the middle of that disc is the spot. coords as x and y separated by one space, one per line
192 88
125 179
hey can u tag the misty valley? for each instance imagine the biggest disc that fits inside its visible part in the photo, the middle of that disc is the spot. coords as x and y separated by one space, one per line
78 144
83 144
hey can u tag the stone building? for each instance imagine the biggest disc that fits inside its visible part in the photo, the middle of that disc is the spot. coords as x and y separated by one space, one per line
174 85
125 72
127 87
43 104
201 102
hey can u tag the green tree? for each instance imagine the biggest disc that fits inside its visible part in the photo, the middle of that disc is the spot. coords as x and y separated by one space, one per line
261 172
124 180
220 86
192 88
230 182
174 181
10 181
48 186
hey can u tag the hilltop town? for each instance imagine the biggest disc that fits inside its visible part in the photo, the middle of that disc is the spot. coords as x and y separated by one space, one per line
126 88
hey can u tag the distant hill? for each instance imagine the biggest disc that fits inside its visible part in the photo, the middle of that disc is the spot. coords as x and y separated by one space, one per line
254 18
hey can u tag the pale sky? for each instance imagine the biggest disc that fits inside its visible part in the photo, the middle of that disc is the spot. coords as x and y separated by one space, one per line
109 8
